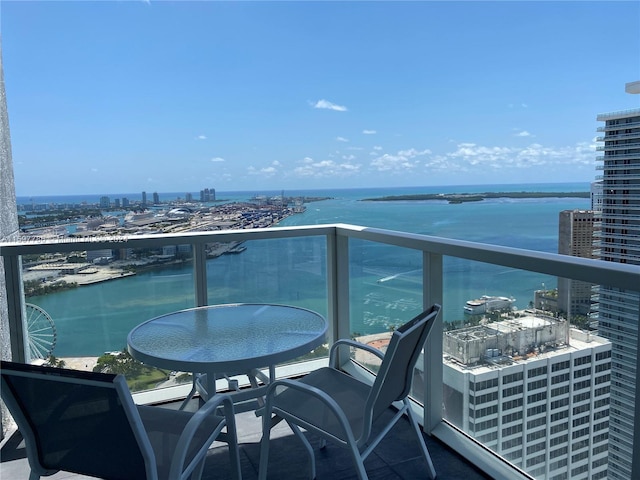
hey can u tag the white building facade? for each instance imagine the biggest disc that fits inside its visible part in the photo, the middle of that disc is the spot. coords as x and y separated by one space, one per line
542 405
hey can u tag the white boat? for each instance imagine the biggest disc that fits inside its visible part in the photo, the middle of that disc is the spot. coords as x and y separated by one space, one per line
487 304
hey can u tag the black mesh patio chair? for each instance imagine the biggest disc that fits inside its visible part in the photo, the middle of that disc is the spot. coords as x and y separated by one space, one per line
343 409
87 423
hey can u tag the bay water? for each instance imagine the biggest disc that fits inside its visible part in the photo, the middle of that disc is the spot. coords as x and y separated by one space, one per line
385 286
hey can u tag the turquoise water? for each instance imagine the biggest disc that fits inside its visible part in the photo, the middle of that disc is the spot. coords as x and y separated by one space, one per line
94 319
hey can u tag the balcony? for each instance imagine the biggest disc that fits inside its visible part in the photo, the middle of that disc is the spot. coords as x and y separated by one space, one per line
611 137
611 158
618 146
398 457
364 281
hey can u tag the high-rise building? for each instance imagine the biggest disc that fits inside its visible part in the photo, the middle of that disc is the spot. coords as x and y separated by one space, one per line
105 202
208 195
619 241
596 196
144 198
156 198
575 238
125 202
533 390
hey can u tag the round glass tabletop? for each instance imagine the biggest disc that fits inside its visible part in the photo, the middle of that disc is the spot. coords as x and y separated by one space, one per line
226 338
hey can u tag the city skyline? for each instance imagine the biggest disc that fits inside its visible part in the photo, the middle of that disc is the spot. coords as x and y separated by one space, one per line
310 95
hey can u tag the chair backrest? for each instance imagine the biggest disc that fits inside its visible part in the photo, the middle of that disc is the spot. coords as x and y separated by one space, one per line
395 375
81 422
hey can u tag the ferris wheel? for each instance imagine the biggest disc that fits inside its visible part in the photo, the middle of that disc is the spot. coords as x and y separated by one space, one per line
41 332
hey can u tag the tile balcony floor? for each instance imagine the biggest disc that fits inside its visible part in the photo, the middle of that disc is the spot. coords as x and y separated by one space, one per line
397 457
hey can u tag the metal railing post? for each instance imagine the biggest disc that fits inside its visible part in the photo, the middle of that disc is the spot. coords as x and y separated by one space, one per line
15 310
338 288
200 274
432 281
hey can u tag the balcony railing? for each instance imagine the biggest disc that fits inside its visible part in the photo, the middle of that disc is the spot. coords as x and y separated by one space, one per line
349 267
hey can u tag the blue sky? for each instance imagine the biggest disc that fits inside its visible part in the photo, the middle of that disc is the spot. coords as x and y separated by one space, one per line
125 96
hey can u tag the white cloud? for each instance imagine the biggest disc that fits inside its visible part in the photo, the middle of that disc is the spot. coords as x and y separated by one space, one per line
523 133
266 172
404 160
201 137
325 104
470 155
341 139
326 168
369 132
217 159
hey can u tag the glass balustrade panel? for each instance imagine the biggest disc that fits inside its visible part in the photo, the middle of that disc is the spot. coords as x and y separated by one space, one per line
286 271
385 291
80 306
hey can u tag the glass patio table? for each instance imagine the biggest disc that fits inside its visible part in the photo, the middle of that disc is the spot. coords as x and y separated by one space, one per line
232 339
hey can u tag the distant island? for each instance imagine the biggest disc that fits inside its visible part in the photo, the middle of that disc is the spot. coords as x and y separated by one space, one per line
476 197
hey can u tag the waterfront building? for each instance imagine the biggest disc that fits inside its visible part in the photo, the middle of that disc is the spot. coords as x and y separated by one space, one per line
105 202
619 241
125 202
188 197
156 198
533 390
99 256
208 195
116 203
144 198
575 238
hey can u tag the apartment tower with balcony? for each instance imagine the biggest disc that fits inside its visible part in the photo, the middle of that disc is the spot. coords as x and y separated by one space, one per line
619 241
533 390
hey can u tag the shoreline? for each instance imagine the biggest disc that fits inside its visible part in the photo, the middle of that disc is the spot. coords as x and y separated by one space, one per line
455 198
80 363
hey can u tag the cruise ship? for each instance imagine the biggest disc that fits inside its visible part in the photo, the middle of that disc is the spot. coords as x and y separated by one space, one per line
487 304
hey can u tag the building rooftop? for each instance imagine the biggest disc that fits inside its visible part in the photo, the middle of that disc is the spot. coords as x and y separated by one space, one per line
514 340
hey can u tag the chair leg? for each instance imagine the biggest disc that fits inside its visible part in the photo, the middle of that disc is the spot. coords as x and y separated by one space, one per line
264 447
312 458
234 454
196 474
359 463
423 447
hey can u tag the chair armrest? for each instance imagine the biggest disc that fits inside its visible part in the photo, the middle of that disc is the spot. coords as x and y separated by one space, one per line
192 426
355 344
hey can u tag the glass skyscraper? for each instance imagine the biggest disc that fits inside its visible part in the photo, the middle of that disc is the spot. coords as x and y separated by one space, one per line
619 241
